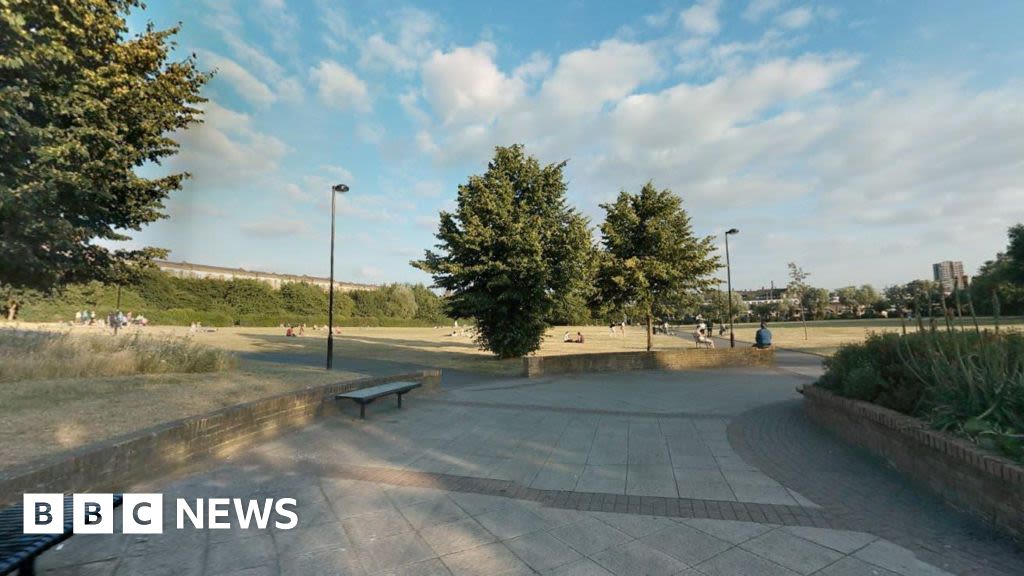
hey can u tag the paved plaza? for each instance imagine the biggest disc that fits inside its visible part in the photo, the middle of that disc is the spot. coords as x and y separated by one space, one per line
693 473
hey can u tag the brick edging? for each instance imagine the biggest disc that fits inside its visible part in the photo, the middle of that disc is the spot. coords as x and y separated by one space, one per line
957 470
677 359
121 461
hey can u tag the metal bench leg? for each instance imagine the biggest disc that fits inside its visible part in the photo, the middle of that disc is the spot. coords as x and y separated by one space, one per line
362 410
27 568
399 401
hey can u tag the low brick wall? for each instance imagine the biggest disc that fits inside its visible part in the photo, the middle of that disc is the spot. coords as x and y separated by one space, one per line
962 474
113 464
680 359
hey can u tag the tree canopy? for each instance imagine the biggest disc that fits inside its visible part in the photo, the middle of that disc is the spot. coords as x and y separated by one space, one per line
652 264
511 252
82 106
1002 279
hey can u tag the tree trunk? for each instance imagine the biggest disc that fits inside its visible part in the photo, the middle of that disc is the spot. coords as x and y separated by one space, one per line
12 310
650 332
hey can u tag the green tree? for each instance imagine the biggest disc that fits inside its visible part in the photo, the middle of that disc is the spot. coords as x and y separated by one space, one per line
652 264
82 106
815 301
1002 278
251 297
797 290
510 251
303 299
399 301
717 305
429 306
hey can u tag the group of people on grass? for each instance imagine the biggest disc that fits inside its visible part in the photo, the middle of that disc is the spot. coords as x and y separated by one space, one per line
569 338
702 335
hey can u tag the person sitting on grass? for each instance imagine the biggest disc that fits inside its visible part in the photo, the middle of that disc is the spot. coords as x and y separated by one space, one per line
579 338
290 332
566 337
763 338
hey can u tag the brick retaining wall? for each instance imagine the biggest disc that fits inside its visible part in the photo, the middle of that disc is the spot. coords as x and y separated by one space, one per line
964 475
680 359
113 464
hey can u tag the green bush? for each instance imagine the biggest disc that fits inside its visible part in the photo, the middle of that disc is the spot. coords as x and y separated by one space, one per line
968 383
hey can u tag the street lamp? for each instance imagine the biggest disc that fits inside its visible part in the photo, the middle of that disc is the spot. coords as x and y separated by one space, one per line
336 189
728 276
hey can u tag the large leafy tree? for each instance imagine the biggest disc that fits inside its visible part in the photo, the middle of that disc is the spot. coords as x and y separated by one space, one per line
511 251
83 104
716 305
652 264
1002 279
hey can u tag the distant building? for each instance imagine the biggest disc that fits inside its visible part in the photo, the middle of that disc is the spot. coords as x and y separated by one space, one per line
950 274
188 270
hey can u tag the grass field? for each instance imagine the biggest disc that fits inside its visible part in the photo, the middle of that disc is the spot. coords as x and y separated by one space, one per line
824 337
39 416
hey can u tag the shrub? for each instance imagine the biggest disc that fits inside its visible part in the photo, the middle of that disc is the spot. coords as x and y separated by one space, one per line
968 383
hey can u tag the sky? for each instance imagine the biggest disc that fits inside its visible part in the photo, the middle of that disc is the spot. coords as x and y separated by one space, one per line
863 140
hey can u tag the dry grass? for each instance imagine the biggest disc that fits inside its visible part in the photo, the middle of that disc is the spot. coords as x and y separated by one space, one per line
29 354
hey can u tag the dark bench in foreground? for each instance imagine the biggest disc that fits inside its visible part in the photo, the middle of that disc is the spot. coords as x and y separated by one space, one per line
368 395
18 551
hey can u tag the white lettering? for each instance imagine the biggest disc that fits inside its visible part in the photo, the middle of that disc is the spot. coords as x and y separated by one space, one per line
252 510
279 507
195 516
218 508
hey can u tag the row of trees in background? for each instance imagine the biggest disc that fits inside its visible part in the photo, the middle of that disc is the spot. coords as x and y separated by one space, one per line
166 299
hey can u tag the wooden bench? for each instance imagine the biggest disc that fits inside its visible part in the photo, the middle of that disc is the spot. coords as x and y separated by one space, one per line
368 395
18 551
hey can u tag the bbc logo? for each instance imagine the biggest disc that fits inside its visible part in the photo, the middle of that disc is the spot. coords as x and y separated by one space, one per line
92 513
144 513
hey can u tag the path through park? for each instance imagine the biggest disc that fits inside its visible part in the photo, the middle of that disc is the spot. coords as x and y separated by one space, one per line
695 473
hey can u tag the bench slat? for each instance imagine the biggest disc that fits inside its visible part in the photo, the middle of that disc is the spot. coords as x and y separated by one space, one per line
379 390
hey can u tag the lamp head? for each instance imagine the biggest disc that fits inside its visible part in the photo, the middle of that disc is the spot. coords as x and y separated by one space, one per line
732 231
339 188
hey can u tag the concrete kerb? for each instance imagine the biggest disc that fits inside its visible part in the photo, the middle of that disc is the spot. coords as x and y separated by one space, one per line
680 359
113 464
967 477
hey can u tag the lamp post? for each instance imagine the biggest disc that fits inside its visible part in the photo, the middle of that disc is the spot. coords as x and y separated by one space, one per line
335 190
728 276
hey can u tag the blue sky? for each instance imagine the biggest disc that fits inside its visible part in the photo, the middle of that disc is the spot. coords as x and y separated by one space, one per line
863 140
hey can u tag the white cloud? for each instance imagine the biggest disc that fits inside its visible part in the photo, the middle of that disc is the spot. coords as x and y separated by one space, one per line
244 84
339 87
481 106
296 193
339 172
369 132
757 9
795 18
275 228
413 40
587 79
464 86
536 66
226 148
280 24
701 18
